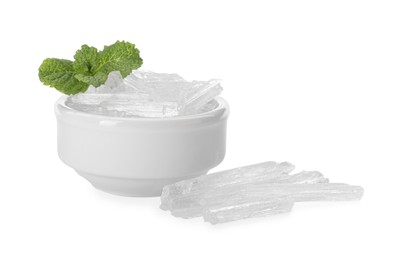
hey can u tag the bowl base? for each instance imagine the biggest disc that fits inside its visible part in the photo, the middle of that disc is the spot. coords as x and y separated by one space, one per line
131 187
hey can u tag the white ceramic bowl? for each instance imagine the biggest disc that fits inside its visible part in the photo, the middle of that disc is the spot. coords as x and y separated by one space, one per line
138 156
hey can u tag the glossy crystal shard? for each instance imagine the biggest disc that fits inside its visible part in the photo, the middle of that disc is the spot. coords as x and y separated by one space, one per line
147 94
158 86
200 94
194 203
190 95
246 209
125 105
304 177
304 192
141 109
257 190
266 200
116 99
255 173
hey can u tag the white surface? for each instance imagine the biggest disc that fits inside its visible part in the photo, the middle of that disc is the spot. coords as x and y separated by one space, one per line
325 85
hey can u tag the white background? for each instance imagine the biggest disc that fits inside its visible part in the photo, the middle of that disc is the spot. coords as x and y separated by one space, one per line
325 85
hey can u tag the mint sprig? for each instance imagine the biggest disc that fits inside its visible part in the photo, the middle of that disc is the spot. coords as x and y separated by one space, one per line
90 67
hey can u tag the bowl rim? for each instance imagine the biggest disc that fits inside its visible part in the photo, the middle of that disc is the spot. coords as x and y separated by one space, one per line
220 111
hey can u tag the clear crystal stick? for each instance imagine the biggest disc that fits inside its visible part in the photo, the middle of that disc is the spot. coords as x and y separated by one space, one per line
304 177
309 192
98 98
125 104
246 209
191 205
148 76
150 95
201 94
294 192
88 99
255 173
253 202
200 88
202 102
160 86
145 109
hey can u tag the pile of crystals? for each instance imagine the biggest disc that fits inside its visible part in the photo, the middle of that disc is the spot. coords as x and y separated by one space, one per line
257 190
147 94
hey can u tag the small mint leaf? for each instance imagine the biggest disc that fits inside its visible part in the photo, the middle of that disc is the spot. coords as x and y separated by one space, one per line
121 56
59 74
96 80
85 60
90 67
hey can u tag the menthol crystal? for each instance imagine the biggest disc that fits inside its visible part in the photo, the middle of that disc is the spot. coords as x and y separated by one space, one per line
298 192
255 173
266 200
262 189
147 94
246 209
193 204
200 94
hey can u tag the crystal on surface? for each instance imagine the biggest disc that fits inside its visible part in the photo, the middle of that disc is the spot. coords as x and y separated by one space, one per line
260 172
261 189
193 204
303 192
147 94
267 200
246 209
304 177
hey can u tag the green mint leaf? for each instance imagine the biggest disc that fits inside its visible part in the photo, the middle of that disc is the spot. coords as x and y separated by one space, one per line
90 67
59 74
121 56
96 80
85 60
